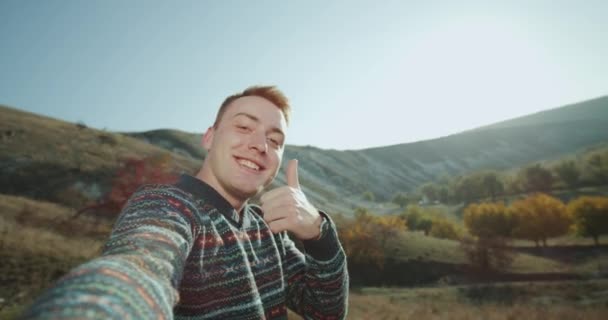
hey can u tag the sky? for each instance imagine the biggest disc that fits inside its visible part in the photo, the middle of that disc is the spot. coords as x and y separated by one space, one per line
358 74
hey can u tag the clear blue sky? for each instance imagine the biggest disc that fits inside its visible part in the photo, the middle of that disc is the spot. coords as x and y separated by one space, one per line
359 73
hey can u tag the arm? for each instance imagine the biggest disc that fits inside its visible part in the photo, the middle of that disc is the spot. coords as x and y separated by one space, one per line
318 278
139 270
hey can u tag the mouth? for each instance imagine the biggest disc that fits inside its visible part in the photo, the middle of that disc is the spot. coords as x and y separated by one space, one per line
249 164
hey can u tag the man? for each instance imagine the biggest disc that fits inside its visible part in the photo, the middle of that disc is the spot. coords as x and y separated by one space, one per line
198 250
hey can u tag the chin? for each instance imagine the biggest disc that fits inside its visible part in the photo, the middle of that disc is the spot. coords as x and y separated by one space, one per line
246 193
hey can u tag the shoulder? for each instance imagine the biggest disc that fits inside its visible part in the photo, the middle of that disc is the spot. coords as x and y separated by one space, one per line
162 193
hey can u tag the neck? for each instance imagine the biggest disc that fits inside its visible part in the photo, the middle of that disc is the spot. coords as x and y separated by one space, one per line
205 176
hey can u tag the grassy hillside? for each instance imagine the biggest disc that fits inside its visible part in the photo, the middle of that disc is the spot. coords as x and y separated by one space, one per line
56 160
593 109
45 158
50 168
331 174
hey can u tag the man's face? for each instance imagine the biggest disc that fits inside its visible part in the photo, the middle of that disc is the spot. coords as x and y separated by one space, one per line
245 148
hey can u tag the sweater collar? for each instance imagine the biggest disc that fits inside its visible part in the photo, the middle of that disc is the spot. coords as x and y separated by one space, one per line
203 191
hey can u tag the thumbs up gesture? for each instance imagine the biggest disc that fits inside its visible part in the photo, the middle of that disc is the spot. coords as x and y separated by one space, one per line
286 208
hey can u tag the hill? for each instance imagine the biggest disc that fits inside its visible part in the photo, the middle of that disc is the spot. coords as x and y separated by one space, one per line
68 164
48 159
346 175
54 160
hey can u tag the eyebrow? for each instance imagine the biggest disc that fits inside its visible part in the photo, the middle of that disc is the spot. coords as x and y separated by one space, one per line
256 119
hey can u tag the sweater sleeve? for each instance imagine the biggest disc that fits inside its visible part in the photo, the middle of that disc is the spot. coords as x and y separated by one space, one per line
139 270
317 278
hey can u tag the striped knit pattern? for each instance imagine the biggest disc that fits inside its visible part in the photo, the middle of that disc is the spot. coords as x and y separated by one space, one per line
175 252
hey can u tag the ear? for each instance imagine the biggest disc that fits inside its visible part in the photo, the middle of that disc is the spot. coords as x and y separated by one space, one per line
207 141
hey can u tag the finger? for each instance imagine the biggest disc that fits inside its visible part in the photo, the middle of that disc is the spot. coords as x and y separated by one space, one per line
277 226
273 212
274 194
292 174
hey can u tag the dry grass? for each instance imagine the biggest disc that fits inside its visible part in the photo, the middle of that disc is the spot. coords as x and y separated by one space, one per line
37 241
364 307
525 263
41 139
563 300
12 206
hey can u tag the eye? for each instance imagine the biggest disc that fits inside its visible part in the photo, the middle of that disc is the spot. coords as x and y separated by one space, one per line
274 142
243 128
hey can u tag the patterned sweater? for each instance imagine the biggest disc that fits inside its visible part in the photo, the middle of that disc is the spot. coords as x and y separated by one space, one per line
176 251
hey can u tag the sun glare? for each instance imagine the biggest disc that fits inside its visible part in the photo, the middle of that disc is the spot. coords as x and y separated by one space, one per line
478 66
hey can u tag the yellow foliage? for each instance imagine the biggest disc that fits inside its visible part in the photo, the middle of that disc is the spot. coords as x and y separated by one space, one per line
488 220
366 237
444 229
590 215
539 217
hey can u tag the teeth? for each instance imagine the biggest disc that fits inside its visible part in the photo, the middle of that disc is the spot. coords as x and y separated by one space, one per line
249 164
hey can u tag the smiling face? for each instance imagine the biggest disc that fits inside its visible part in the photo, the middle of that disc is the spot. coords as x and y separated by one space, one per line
245 149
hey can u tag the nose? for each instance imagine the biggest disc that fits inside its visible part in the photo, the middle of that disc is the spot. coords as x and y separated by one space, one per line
257 141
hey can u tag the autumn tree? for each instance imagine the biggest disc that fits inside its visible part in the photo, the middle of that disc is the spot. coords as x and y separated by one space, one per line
590 215
366 238
443 228
488 220
539 217
487 254
132 173
491 224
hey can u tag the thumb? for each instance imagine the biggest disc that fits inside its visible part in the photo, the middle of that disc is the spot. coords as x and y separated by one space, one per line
292 174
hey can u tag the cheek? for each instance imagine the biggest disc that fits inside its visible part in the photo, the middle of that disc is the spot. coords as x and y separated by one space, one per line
232 139
275 160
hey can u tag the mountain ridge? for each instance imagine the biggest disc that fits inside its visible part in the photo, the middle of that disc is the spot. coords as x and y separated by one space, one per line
332 178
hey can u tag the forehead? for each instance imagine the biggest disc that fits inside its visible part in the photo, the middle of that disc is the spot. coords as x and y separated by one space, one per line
263 110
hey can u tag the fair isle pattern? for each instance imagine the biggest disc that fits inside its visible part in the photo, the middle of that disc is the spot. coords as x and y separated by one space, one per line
173 254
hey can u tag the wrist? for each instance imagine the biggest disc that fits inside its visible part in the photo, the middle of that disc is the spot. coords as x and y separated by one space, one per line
322 225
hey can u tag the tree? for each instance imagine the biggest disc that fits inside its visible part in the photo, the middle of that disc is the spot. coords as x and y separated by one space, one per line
491 184
596 166
401 199
568 173
467 189
417 219
133 173
487 253
430 191
492 225
366 238
590 215
444 229
539 217
536 178
488 220
443 194
513 184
